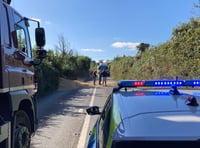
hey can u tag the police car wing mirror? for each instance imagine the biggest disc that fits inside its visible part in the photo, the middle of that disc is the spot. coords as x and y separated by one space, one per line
94 110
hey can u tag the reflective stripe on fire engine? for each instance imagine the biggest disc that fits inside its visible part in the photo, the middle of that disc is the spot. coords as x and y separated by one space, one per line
4 90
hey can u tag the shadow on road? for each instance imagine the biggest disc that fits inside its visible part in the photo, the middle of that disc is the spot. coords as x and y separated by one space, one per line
64 103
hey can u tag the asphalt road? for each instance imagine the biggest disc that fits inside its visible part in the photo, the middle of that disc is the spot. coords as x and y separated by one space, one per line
63 122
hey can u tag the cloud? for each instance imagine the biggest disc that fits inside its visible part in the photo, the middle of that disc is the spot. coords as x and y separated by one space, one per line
129 45
92 50
47 22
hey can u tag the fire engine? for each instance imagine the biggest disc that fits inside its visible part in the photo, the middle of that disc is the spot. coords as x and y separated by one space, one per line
18 111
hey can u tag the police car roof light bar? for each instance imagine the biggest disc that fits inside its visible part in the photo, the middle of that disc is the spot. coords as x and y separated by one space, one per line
157 83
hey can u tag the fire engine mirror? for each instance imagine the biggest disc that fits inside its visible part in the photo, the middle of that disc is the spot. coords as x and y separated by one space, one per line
40 37
41 54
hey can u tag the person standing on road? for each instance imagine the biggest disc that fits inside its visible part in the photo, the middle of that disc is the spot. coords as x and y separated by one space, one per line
94 76
100 78
104 78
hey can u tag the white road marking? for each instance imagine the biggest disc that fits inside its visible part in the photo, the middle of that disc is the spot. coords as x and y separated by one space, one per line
81 110
82 140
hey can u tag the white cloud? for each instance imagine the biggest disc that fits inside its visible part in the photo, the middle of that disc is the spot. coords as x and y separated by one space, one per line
47 22
129 45
92 50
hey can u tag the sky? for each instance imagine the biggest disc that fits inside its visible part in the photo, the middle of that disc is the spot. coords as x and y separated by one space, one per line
106 29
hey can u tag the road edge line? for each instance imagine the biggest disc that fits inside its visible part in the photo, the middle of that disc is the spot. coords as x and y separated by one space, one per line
83 135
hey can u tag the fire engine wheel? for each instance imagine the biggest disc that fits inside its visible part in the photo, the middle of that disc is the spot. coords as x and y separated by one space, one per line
22 128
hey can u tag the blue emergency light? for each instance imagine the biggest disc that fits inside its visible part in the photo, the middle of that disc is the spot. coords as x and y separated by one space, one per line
158 83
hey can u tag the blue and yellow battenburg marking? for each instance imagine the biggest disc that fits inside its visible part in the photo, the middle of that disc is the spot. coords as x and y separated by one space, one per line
92 143
114 122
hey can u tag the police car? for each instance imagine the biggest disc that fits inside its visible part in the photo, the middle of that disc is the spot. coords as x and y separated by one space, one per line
138 115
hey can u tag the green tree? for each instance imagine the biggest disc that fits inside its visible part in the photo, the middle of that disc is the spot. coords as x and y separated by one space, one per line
142 47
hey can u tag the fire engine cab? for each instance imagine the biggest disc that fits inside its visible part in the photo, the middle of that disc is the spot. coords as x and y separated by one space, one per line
18 111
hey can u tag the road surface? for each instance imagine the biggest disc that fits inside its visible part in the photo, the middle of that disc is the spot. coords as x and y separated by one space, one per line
63 122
